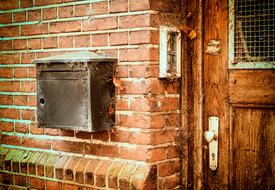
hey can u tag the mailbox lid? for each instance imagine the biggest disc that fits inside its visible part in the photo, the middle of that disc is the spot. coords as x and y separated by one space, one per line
83 56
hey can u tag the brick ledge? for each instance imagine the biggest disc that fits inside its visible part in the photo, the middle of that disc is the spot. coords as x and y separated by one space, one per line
80 171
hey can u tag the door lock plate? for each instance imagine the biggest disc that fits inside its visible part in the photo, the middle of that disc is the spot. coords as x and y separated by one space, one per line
212 134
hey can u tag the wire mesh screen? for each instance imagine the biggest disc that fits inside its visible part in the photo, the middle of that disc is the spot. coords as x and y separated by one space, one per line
254 31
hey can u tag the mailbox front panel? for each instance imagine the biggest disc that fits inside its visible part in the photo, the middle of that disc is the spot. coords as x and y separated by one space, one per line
63 100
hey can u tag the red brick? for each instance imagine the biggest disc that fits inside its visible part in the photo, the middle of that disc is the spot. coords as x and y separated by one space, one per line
118 6
21 127
10 113
28 86
34 44
168 168
83 135
140 5
70 168
134 21
34 15
35 130
68 186
6 178
50 13
27 58
132 137
9 86
31 72
96 24
60 167
19 16
90 171
6 72
9 58
82 41
133 153
144 37
32 101
9 31
20 72
26 3
102 135
113 174
101 150
48 2
143 71
37 183
173 152
20 180
141 54
162 137
173 120
5 45
67 26
122 104
40 166
79 170
49 167
20 100
68 146
11 4
170 182
11 140
20 44
36 143
99 8
65 12
82 10
54 185
66 42
157 154
28 114
28 30
100 174
121 71
119 38
99 40
125 175
6 127
5 18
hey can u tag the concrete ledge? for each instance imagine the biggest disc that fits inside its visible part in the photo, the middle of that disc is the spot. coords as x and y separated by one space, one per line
19 168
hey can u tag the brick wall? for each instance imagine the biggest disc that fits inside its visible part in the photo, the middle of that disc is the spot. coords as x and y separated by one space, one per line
142 152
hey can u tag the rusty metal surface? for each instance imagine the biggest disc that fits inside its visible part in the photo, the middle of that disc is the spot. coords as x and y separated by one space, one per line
75 95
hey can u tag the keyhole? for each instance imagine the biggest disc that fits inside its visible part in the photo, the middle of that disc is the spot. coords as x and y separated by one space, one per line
213 156
42 101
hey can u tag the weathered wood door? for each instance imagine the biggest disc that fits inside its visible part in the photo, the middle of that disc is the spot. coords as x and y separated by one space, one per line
243 98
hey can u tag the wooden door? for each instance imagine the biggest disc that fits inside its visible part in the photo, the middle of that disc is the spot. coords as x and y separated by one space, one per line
243 98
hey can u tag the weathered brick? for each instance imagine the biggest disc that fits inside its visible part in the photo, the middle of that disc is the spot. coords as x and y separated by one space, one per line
6 126
34 44
139 5
82 10
68 146
119 38
11 4
173 151
48 2
26 3
5 18
27 58
5 45
144 176
19 16
49 167
133 153
170 182
99 40
143 71
132 137
134 21
36 143
79 170
21 127
28 30
6 178
101 150
24 162
82 41
20 100
28 86
113 174
28 115
35 130
16 160
32 162
124 176
121 71
32 101
9 86
100 174
157 154
6 72
20 180
83 135
8 158
10 113
19 44
144 37
96 24
31 72
20 72
162 137
37 183
69 186
40 166
59 167
34 15
49 13
54 185
99 8
168 168
101 135
9 58
70 168
118 6
65 12
66 42
9 31
67 26
90 171
140 54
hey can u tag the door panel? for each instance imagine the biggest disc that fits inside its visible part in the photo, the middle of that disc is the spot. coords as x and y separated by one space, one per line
253 148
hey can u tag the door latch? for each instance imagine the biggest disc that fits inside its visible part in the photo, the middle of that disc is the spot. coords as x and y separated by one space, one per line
211 137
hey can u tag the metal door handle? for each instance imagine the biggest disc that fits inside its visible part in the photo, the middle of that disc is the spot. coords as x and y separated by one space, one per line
211 137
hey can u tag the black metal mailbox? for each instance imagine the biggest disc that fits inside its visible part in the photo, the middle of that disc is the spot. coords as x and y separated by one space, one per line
75 91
